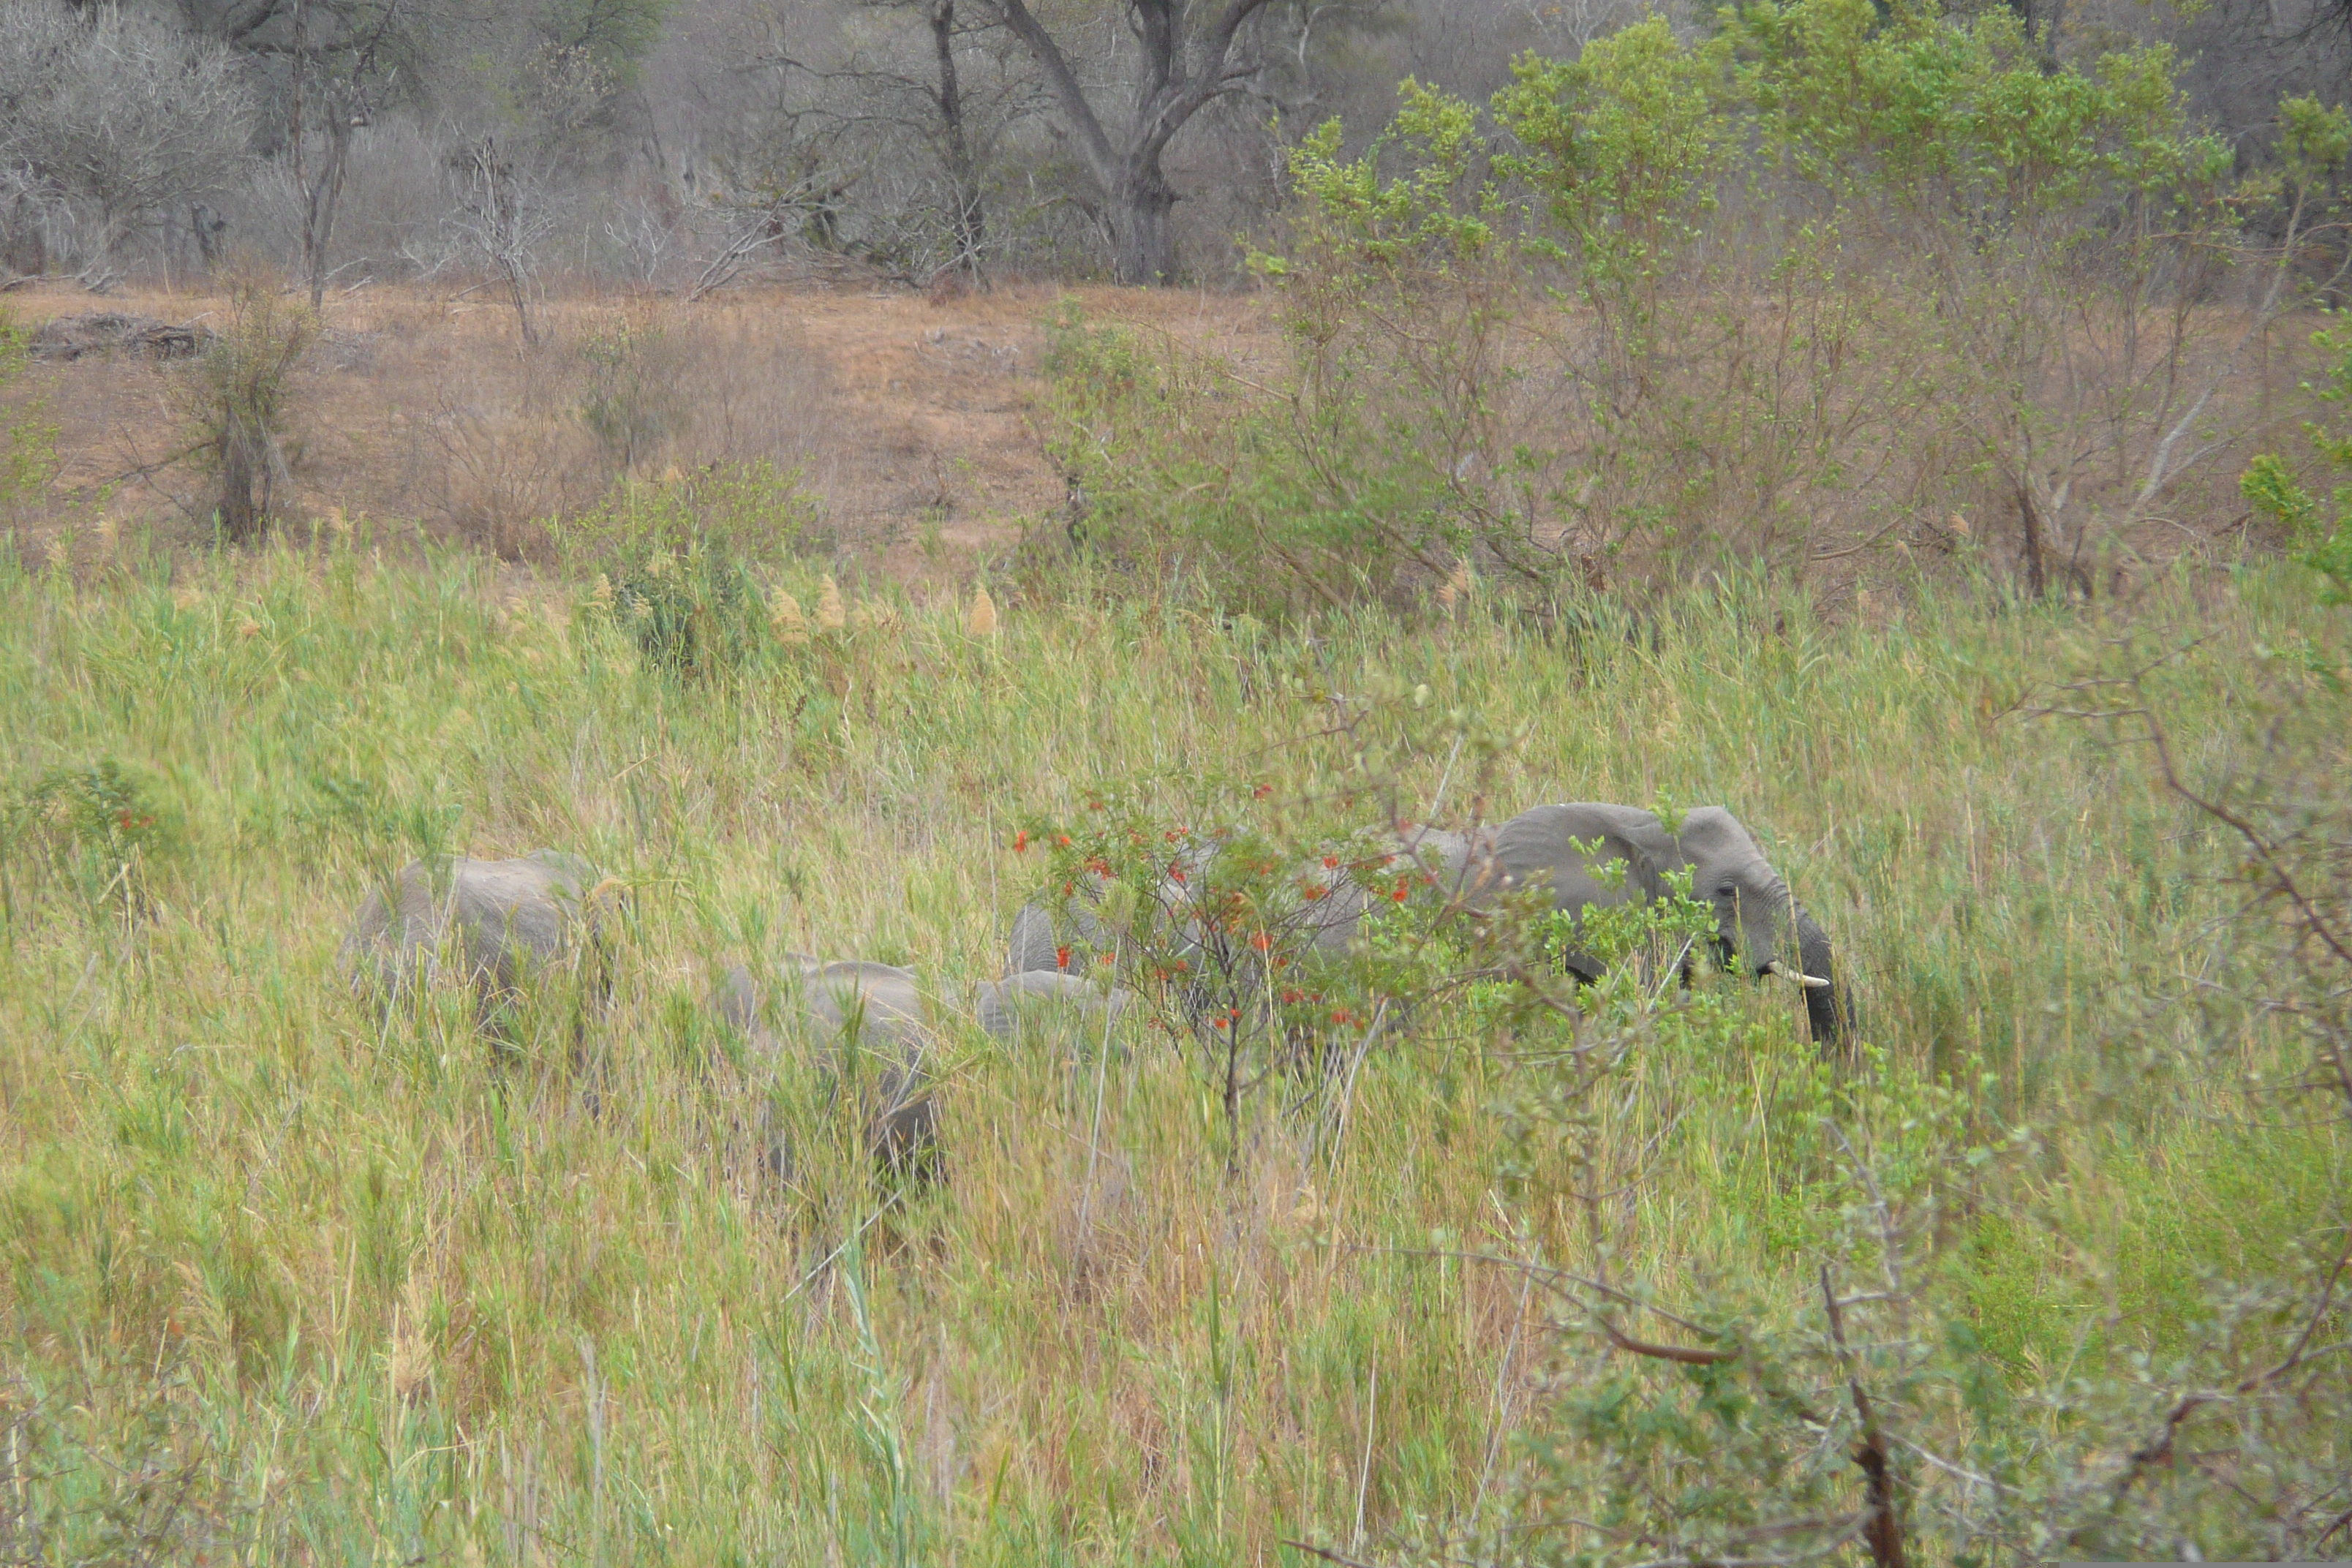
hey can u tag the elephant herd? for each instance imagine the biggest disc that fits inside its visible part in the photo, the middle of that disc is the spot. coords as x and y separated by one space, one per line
491 925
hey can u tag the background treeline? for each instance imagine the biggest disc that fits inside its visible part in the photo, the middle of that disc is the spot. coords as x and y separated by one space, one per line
679 142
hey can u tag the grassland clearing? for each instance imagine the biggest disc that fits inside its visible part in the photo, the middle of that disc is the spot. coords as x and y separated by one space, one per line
288 1281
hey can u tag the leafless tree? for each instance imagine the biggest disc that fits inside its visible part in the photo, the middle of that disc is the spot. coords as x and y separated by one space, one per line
116 118
330 66
1183 65
502 217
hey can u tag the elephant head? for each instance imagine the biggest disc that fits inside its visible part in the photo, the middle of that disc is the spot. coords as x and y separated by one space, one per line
1760 929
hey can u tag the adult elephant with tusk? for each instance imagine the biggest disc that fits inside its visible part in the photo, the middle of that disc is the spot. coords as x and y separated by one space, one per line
1760 928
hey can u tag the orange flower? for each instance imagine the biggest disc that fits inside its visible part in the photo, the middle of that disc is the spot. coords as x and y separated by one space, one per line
1331 862
1061 958
1021 842
1261 941
1402 888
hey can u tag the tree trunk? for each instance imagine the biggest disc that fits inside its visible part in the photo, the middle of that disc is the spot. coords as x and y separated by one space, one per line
518 290
238 519
2028 520
1146 248
322 200
968 218
1185 68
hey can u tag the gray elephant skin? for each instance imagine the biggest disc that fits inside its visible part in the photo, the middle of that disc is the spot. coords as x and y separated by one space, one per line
889 1013
1760 929
495 921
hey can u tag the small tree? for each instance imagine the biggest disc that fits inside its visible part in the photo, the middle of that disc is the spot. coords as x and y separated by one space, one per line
236 399
503 217
329 66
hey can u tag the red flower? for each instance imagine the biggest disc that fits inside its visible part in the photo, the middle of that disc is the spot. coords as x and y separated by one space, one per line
1261 792
1314 893
1176 873
1061 958
1062 839
1402 888
1021 842
1102 958
1261 941
1219 1021
1331 862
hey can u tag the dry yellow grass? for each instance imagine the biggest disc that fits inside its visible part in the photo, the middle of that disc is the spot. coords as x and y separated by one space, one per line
909 418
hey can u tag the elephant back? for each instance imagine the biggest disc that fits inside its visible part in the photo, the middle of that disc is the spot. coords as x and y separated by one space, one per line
1563 848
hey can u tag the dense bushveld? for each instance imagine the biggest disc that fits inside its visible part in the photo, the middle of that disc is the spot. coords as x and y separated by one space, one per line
289 1279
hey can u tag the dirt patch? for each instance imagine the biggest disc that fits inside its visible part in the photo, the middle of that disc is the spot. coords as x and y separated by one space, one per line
913 420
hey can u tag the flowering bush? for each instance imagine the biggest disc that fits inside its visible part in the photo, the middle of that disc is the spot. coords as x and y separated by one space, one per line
100 828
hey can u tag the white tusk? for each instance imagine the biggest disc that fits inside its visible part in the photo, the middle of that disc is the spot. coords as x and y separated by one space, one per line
1811 982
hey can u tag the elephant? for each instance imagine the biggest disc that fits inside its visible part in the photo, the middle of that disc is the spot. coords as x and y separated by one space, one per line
499 920
1760 928
888 1012
1563 848
876 1007
1332 901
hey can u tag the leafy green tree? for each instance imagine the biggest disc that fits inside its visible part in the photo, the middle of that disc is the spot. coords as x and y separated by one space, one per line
2319 531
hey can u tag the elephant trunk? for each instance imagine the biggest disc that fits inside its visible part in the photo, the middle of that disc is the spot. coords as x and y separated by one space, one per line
1830 1010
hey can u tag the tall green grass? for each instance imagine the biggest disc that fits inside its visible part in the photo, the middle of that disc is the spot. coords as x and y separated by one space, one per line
288 1280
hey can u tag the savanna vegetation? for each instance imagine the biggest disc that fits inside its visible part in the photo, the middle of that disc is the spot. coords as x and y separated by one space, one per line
1921 433
291 1279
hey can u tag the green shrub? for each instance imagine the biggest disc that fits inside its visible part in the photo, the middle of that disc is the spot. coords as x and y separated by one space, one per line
1804 291
2320 541
236 400
683 562
103 829
28 460
634 403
